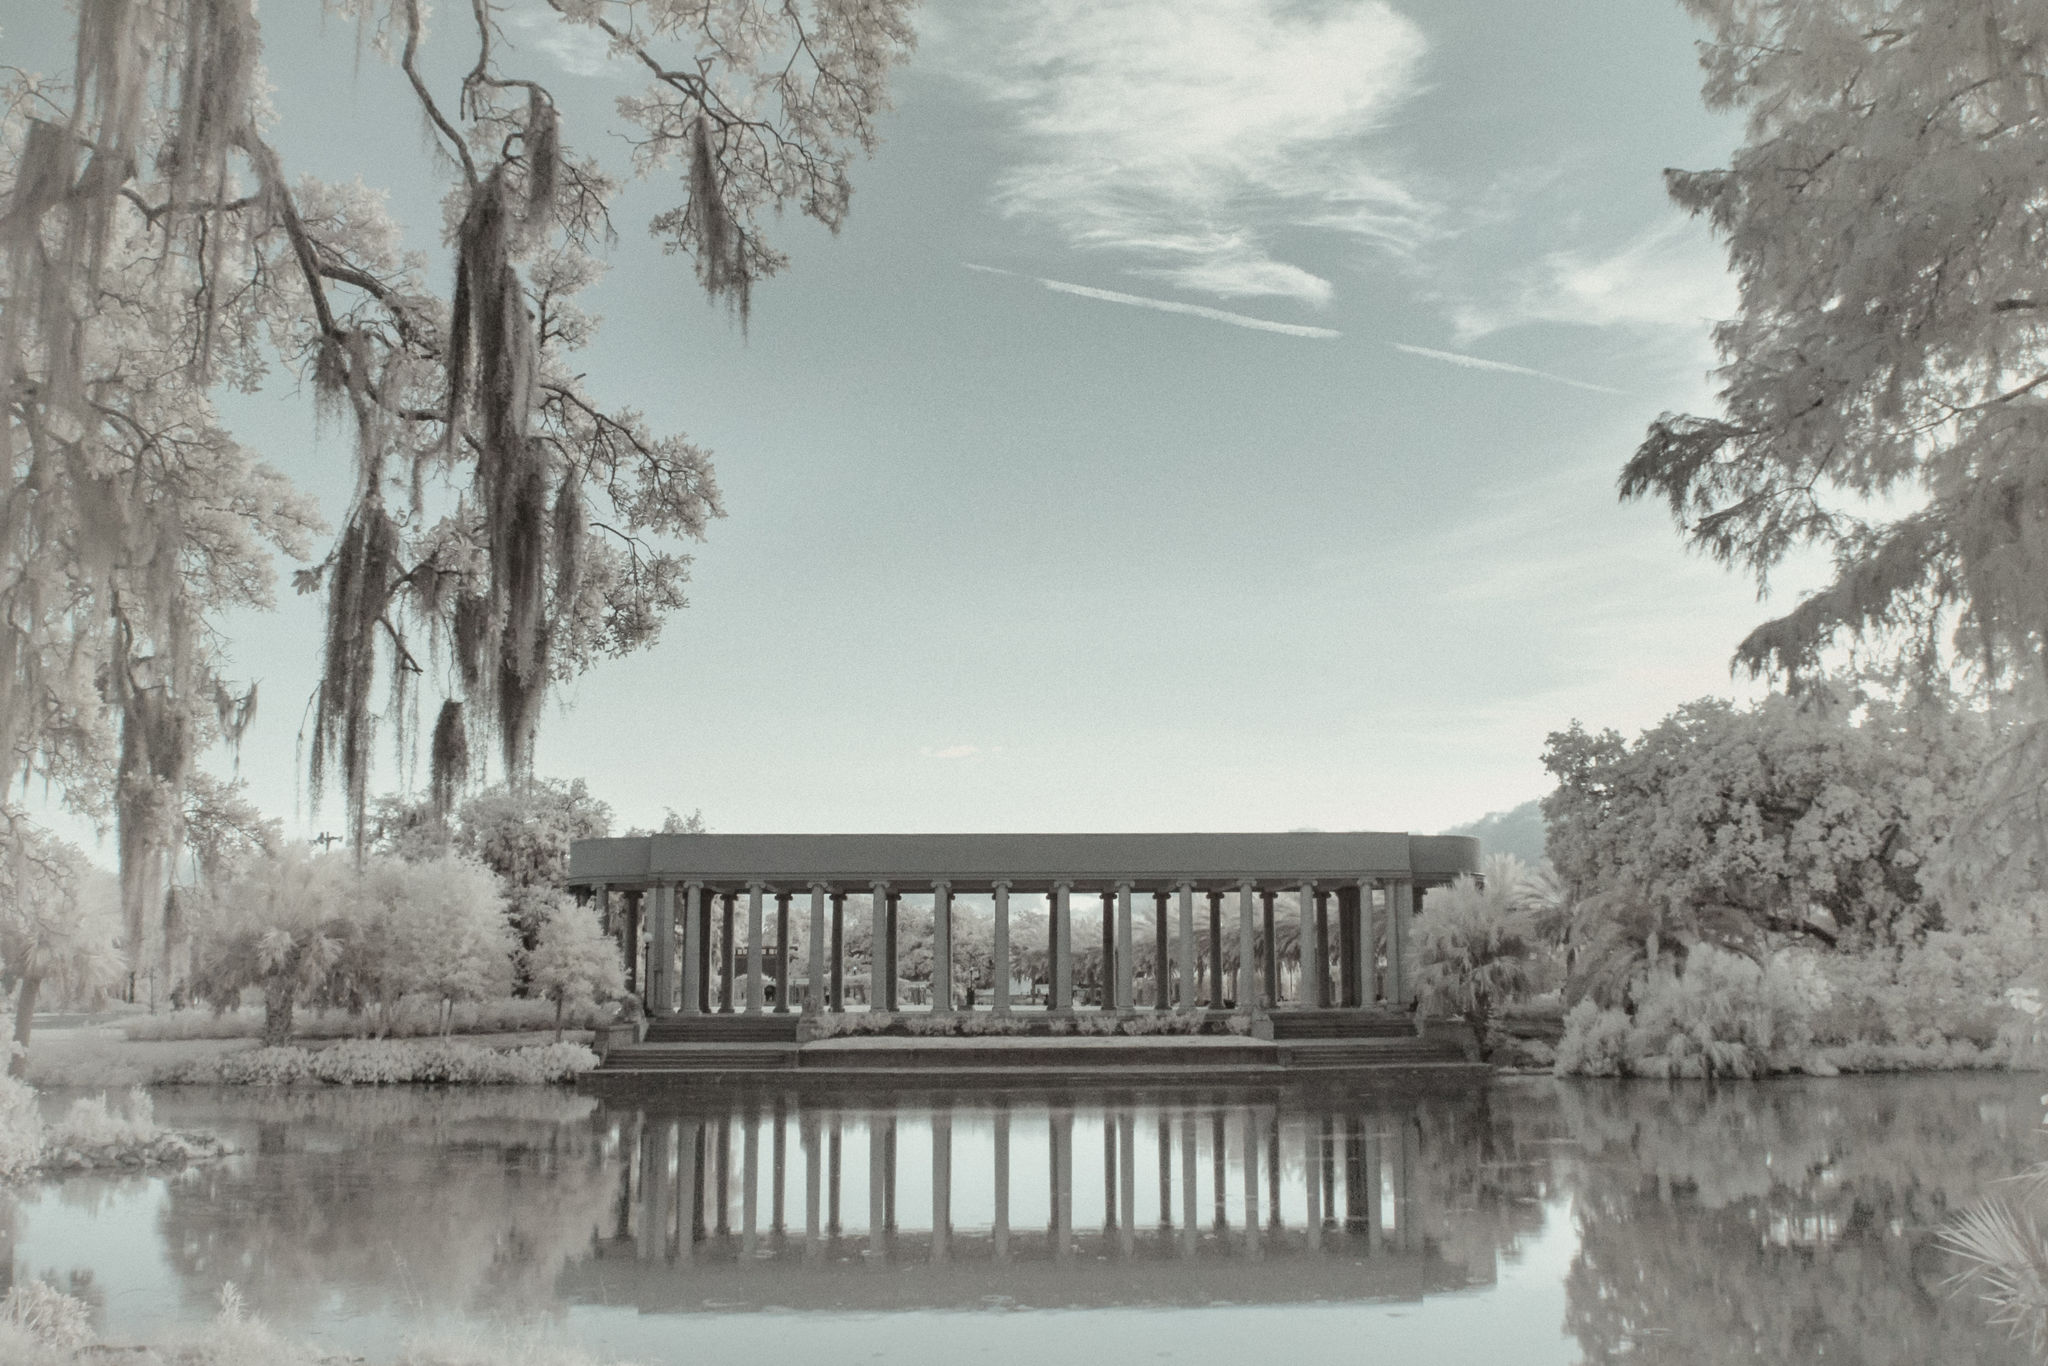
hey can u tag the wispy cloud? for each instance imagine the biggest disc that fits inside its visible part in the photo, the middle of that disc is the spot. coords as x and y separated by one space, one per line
578 50
1670 277
952 752
1220 315
1188 135
1481 363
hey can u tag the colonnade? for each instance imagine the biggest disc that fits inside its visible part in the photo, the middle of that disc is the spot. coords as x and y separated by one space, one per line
1258 1179
1364 935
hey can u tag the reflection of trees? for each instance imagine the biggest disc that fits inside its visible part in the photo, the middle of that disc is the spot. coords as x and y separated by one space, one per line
1780 1222
378 1199
1485 1169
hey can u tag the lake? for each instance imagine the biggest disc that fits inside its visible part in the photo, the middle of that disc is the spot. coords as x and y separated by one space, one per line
1530 1221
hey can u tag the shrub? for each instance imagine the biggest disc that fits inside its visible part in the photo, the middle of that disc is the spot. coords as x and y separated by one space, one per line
379 1062
417 1018
46 1315
21 1130
1724 1016
90 1125
1594 1043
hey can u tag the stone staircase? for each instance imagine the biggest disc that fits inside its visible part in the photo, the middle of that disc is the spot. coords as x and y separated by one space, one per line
699 1057
722 1029
1290 1025
1405 1052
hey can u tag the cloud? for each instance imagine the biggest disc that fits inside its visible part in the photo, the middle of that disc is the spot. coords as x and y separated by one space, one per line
1187 135
1166 305
1670 277
1477 363
952 752
578 50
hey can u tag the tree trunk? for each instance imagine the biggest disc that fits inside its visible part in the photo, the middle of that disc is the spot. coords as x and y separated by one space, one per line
278 999
558 1016
24 1021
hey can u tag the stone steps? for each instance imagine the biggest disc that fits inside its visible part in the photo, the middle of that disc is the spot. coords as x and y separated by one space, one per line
696 1057
1409 1052
723 1029
1342 1024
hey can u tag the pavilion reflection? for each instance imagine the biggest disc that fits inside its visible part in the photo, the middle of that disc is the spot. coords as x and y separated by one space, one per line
1000 1200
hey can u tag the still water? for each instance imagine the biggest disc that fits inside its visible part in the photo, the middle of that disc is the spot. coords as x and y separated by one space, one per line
1532 1221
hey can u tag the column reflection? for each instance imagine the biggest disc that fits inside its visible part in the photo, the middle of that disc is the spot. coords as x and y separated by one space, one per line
1266 1182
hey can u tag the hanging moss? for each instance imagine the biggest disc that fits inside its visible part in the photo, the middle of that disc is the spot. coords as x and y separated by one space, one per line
359 591
448 769
721 256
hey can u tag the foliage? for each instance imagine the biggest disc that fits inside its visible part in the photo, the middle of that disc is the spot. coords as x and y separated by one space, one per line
406 1020
501 512
1811 819
1476 949
435 930
1722 1016
575 962
284 924
1878 387
46 1314
21 1130
383 1062
51 930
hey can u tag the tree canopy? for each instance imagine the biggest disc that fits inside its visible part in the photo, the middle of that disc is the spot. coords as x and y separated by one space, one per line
507 528
1884 385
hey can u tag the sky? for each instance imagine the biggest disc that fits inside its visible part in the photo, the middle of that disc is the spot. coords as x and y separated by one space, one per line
1208 418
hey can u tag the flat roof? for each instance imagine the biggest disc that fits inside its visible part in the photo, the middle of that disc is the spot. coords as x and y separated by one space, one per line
1029 863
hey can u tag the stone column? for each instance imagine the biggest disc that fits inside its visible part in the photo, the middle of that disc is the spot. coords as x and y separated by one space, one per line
814 991
782 953
1323 995
756 997
1246 948
1000 971
1187 946
1215 949
1061 934
838 953
1127 1174
727 902
1347 946
705 900
878 1187
693 948
881 966
1108 950
1266 899
1126 953
1400 972
895 900
942 948
1162 993
1311 946
661 951
1368 948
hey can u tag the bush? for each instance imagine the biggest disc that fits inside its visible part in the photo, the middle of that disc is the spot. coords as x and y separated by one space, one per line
91 1125
46 1315
1724 1016
413 1019
21 1130
379 1062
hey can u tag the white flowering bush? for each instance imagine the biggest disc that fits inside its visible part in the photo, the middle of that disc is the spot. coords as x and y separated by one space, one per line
1723 1016
384 1062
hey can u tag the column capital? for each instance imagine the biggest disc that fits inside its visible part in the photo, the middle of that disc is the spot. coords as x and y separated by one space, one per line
819 886
942 884
878 886
1124 885
1184 885
1001 884
1247 884
1065 884
1307 884
694 885
756 885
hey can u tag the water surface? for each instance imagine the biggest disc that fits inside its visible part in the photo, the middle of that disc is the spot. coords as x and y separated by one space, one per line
1529 1222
